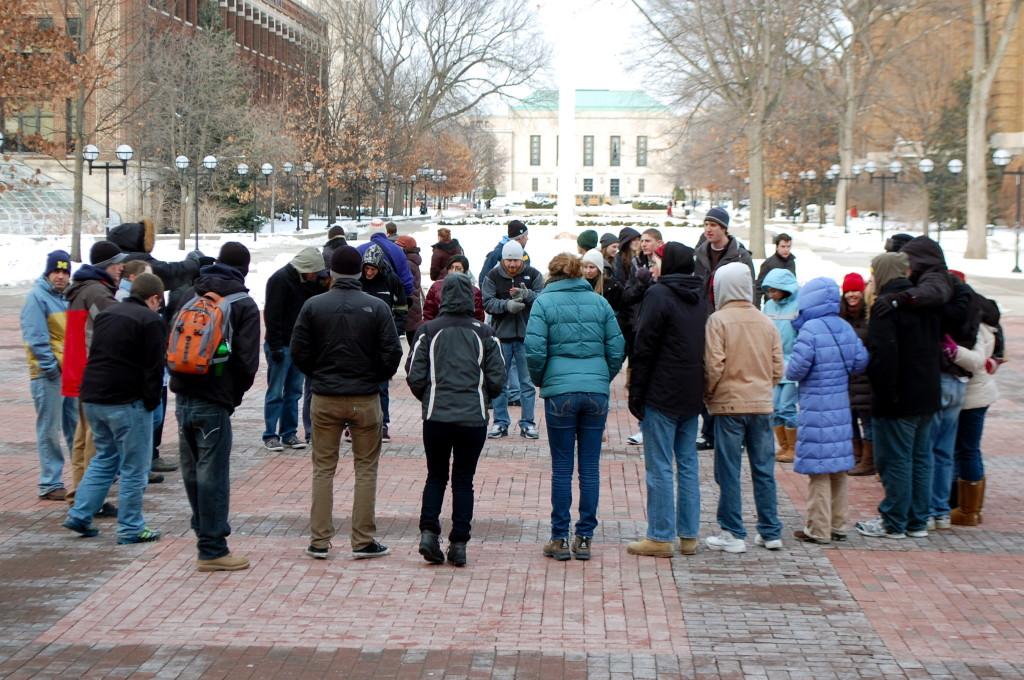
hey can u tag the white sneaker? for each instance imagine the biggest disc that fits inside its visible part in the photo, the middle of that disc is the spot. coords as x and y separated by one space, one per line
727 542
635 439
773 544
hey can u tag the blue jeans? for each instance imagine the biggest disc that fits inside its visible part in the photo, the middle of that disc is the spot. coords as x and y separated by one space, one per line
204 436
284 389
515 350
732 434
943 443
575 423
55 416
784 398
904 460
671 512
513 382
969 465
123 434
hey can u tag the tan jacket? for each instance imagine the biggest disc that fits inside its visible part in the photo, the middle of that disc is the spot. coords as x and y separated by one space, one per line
742 360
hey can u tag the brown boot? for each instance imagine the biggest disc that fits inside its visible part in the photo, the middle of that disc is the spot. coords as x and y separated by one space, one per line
866 466
858 451
780 438
790 443
972 496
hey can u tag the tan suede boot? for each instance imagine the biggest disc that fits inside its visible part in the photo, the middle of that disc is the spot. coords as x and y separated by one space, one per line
649 548
972 496
780 438
866 466
790 444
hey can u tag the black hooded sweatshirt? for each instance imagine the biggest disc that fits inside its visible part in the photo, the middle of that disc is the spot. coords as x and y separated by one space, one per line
228 388
133 237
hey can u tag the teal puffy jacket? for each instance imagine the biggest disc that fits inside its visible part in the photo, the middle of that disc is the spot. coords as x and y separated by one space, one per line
573 342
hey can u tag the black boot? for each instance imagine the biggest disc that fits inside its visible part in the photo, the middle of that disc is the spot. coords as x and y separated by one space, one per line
430 547
457 554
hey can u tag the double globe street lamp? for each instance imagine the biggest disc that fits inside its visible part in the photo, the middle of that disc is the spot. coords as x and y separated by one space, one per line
1002 158
926 166
124 153
210 164
895 168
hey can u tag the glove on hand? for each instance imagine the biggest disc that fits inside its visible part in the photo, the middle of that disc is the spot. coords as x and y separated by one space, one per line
643 275
195 256
515 306
949 347
991 366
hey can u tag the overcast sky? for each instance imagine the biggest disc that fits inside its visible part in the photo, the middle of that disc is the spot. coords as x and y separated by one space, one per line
598 41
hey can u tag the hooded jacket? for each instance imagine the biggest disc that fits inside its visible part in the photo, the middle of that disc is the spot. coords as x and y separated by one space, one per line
44 319
573 342
734 252
385 286
743 351
91 291
286 292
329 248
456 366
495 287
827 351
667 366
345 341
414 318
432 303
396 257
441 253
228 388
775 261
784 312
137 240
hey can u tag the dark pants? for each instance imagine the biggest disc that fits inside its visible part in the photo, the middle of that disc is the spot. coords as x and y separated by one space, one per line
969 464
158 425
707 426
461 445
307 412
204 433
903 457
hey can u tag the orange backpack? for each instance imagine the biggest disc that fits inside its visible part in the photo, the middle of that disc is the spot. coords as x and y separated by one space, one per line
200 336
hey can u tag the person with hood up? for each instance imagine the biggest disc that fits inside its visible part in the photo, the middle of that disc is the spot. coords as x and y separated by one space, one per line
92 290
455 370
742 365
204 405
853 309
782 258
43 327
826 353
509 291
442 252
782 306
136 240
903 367
574 348
378 280
399 265
666 395
432 303
414 318
287 289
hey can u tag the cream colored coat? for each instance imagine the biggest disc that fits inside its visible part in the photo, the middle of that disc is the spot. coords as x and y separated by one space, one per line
742 360
981 389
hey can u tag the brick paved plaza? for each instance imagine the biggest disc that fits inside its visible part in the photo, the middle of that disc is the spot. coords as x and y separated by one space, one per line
951 605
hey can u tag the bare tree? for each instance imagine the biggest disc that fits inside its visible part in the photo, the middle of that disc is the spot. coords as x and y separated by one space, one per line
991 40
737 54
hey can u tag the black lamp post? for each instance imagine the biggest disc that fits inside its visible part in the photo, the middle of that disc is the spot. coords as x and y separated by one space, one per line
806 177
182 163
954 167
412 193
267 170
789 180
91 152
1001 158
295 180
837 176
243 173
895 168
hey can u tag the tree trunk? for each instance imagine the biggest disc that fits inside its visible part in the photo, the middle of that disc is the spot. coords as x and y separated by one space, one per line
76 205
755 151
847 125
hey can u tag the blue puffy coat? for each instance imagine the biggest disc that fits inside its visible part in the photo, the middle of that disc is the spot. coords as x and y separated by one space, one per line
784 312
573 342
826 352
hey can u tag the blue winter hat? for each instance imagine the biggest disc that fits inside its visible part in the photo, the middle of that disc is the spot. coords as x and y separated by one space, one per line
718 215
58 261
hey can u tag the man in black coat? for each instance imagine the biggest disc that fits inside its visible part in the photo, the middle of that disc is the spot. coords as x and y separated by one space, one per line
666 393
346 342
287 289
137 240
903 343
782 258
120 389
204 407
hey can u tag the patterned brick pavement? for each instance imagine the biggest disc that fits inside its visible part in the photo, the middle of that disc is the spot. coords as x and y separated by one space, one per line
948 606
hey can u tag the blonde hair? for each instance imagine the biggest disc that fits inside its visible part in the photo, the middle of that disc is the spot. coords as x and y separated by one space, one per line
565 266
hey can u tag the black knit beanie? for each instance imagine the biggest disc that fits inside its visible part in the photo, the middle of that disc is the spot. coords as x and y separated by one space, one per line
234 254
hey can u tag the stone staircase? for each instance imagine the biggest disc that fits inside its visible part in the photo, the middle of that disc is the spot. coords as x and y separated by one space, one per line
33 203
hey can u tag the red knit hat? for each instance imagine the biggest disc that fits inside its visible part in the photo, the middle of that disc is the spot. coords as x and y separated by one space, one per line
853 281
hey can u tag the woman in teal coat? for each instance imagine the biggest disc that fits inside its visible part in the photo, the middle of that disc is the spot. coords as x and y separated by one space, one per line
573 349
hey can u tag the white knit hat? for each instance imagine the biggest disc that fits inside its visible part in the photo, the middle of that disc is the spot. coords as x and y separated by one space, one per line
595 258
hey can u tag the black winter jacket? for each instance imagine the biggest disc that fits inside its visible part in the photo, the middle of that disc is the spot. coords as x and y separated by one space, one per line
904 357
228 388
387 287
132 238
126 359
860 386
286 292
668 356
346 341
495 287
456 367
330 247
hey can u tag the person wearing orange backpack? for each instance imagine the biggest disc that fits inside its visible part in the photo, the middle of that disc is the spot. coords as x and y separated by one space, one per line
204 407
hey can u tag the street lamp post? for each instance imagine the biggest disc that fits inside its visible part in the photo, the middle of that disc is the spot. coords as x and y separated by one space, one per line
91 152
182 163
895 168
412 193
836 176
788 180
243 173
1001 158
267 170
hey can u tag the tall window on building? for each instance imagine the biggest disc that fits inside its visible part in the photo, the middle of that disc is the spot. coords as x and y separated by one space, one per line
588 150
588 184
534 149
641 151
615 151
613 187
534 184
641 185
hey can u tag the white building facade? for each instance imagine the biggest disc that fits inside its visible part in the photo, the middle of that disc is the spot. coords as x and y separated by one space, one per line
621 149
